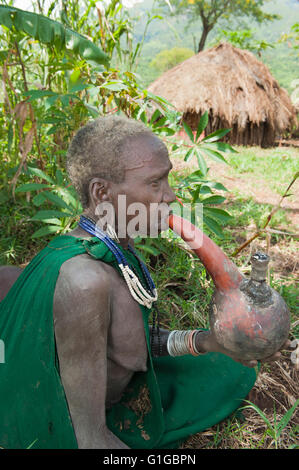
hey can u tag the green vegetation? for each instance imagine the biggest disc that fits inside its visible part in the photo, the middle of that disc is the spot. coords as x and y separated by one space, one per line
167 59
49 92
211 12
277 165
275 430
243 39
176 31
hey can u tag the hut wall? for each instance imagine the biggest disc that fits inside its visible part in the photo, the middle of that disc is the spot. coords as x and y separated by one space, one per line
262 135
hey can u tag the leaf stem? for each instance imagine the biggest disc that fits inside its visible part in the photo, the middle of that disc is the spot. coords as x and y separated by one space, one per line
275 209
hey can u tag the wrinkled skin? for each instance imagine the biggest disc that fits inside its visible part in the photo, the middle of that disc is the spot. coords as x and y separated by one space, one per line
98 325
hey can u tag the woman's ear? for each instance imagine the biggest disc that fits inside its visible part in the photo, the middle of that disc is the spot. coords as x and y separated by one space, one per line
99 191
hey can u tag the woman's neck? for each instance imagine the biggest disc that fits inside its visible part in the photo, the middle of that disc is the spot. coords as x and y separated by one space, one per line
124 242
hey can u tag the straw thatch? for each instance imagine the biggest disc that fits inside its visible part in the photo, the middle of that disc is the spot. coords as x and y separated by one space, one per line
235 88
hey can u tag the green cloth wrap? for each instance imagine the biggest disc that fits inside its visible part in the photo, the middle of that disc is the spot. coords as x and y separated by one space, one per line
160 408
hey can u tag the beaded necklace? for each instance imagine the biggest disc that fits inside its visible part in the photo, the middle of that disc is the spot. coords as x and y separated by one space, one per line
144 295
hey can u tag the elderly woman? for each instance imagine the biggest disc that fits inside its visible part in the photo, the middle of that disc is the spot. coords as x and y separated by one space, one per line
80 370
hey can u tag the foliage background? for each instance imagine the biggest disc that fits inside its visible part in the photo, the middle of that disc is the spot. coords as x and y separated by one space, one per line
176 32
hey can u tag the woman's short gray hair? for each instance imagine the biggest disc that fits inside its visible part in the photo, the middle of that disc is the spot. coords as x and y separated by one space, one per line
97 151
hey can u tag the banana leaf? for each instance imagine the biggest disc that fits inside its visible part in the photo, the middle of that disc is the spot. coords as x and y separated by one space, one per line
48 31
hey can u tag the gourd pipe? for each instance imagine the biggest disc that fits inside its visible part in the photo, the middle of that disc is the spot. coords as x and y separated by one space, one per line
248 318
223 271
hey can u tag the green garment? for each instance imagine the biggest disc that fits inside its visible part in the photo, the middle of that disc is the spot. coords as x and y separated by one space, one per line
175 398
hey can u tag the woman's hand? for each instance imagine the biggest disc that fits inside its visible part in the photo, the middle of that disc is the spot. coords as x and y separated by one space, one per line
206 341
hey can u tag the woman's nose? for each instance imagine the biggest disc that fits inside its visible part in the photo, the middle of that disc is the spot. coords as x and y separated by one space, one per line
169 195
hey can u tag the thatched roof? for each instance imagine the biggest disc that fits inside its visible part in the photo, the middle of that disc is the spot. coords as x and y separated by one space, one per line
236 89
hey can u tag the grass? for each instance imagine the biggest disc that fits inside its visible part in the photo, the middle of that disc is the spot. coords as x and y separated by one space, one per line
185 289
275 165
274 168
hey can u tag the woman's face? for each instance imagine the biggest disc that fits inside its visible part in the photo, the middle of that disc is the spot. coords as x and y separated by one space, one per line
141 201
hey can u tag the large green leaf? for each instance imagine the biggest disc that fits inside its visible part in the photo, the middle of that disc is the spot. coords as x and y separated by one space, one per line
114 85
188 131
213 225
40 174
45 231
201 163
47 214
216 135
51 32
189 154
55 199
156 115
222 146
213 185
215 199
218 214
213 154
31 187
202 125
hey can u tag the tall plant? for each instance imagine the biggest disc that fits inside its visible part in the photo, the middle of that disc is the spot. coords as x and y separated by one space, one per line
55 79
50 91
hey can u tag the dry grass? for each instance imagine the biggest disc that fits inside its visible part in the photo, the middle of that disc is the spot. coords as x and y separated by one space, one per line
274 393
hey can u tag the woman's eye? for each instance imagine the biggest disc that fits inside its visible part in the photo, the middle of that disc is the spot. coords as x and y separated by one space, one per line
155 183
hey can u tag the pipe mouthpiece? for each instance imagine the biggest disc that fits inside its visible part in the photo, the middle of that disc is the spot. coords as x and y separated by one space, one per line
259 263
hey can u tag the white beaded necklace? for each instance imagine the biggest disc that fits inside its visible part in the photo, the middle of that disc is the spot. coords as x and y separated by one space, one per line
138 292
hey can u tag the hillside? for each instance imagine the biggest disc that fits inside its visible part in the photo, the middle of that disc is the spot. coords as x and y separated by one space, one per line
172 32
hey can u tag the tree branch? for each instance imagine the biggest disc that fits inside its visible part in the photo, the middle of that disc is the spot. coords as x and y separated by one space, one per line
275 209
32 117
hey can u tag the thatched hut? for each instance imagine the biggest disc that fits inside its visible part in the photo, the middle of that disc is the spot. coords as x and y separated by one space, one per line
235 88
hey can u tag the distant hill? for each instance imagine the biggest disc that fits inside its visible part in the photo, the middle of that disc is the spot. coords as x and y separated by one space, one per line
175 32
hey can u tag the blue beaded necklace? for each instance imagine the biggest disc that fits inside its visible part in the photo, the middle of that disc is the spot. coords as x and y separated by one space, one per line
145 295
